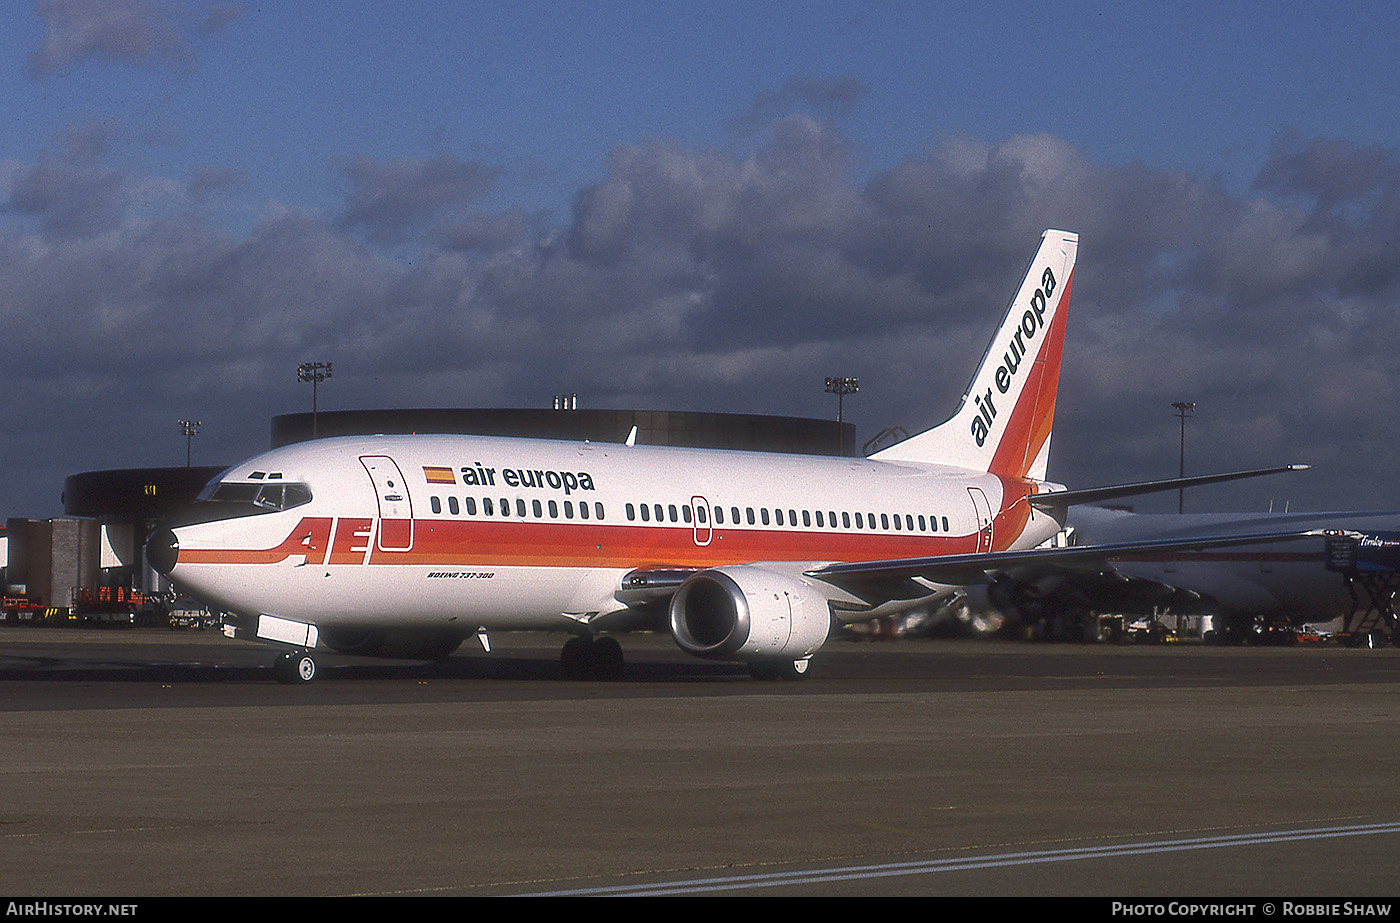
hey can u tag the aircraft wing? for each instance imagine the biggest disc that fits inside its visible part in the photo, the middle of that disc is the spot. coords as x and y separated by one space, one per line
968 569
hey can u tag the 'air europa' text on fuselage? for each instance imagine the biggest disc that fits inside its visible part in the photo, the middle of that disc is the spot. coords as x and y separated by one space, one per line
567 481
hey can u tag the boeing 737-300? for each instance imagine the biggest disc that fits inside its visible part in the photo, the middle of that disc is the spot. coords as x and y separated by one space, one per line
406 545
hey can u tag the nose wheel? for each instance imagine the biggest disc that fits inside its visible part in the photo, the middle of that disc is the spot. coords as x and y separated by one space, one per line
295 667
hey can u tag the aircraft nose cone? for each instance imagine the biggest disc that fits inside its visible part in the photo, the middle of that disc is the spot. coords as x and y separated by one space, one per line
163 550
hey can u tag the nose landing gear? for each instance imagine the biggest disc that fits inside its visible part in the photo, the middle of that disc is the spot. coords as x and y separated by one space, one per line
295 667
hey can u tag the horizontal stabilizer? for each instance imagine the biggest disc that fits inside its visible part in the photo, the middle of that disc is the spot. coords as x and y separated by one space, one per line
1063 498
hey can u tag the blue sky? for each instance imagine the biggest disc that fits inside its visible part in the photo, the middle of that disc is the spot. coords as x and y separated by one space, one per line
660 204
548 89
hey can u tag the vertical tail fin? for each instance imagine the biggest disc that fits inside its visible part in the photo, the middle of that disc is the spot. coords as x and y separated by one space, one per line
1004 423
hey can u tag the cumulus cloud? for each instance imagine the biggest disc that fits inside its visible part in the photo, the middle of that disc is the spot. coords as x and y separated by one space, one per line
828 98
389 198
725 280
142 33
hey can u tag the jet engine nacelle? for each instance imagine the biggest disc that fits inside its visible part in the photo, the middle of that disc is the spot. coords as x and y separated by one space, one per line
749 613
403 644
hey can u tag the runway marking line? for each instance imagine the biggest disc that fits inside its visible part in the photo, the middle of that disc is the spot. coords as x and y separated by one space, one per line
996 860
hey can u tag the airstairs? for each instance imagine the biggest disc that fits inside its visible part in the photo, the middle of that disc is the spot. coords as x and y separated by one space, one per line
1370 562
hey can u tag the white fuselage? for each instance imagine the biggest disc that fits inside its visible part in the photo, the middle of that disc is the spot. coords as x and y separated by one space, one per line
468 532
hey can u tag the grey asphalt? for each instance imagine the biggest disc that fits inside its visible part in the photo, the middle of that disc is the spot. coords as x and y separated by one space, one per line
148 763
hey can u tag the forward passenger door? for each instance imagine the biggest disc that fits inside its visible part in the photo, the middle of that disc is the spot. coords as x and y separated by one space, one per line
395 504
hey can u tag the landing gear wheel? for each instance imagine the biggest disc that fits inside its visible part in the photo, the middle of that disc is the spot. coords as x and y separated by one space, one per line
295 667
796 669
573 659
584 657
607 659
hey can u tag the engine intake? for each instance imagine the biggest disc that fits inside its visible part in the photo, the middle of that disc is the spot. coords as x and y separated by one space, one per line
747 613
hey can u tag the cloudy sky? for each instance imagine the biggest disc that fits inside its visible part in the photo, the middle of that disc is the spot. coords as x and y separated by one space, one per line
701 206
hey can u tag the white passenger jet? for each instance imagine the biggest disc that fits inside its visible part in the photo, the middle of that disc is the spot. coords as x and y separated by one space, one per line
403 546
1249 591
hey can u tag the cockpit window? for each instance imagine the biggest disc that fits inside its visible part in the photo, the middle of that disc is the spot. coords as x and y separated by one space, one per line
271 497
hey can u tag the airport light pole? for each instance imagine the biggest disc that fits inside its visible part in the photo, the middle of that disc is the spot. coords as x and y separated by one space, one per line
314 372
190 429
1182 409
841 387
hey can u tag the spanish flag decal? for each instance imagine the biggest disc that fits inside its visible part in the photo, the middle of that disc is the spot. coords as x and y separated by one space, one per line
437 475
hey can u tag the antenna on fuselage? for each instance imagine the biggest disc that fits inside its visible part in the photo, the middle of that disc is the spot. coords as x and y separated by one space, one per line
632 437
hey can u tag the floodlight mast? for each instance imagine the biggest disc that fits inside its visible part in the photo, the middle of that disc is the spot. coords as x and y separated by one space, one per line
1182 409
314 372
841 386
190 429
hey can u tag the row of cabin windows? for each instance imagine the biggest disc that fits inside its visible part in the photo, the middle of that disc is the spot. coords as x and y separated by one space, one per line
520 509
657 512
898 522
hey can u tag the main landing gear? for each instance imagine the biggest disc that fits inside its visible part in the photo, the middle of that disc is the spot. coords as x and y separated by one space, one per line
586 657
295 667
